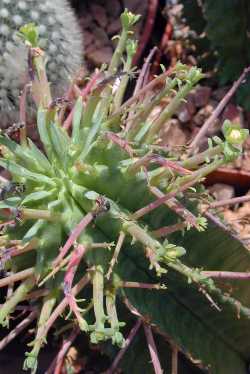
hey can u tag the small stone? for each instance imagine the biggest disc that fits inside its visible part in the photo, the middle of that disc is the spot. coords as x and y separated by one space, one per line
203 114
100 37
234 114
191 103
114 27
99 14
88 38
202 96
113 8
86 21
100 56
136 6
220 93
222 191
214 128
183 113
173 134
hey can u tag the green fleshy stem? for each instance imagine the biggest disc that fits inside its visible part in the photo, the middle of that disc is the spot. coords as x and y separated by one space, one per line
15 299
98 285
117 338
168 112
31 360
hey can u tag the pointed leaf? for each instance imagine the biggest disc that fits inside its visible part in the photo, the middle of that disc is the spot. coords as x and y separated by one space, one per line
78 110
36 196
19 171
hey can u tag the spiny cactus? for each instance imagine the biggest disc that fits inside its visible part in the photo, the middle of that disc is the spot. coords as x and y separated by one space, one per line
90 213
60 38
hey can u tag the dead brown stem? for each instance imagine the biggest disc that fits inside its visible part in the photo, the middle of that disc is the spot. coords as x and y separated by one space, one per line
217 111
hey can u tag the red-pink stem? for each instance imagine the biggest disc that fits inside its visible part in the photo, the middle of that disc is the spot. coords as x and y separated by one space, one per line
152 349
176 206
233 201
17 277
166 230
168 164
116 253
240 275
217 111
148 208
63 305
149 286
121 353
174 360
148 27
18 329
73 237
68 122
145 68
63 351
22 114
141 82
77 255
123 144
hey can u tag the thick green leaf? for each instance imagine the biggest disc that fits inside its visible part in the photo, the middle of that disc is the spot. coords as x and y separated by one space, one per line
20 171
42 125
24 155
36 196
60 142
185 314
43 161
78 110
11 202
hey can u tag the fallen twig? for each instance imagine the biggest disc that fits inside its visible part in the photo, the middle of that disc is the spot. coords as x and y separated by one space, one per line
217 111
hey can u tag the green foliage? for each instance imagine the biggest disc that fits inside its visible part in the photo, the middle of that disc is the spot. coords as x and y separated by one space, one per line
227 26
88 213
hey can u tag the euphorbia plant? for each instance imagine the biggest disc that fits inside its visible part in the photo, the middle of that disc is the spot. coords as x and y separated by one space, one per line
102 196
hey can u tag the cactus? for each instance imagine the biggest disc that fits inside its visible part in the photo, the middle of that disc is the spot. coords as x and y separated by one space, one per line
90 216
60 38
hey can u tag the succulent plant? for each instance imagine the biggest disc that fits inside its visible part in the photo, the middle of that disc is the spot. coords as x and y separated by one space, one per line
60 37
91 215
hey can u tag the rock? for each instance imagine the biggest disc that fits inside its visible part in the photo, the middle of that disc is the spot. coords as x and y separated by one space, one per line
214 128
222 191
187 109
136 6
86 21
100 37
99 14
173 134
202 96
100 56
183 113
113 8
201 116
114 27
88 38
234 114
191 103
220 93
